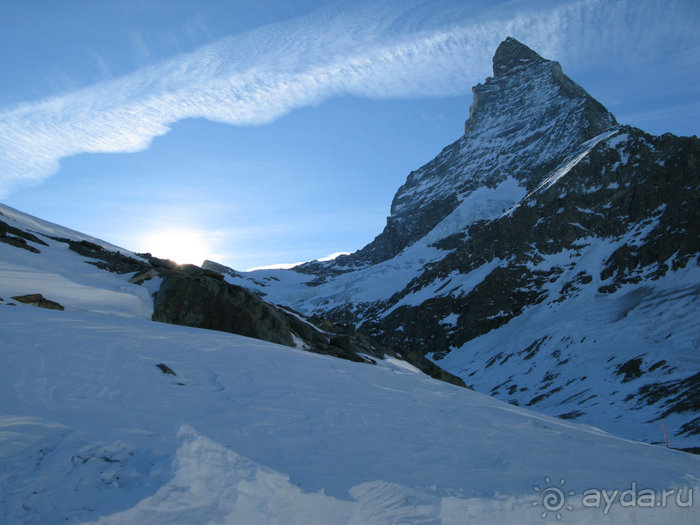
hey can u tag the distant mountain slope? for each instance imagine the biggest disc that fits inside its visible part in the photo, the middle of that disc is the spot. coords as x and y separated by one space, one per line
520 124
548 257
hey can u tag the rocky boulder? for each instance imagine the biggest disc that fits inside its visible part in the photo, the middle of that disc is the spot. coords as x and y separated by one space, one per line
36 299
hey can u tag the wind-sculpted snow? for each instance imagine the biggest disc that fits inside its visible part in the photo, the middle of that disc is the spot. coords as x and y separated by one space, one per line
247 431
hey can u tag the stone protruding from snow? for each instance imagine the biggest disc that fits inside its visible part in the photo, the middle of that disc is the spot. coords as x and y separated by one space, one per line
36 299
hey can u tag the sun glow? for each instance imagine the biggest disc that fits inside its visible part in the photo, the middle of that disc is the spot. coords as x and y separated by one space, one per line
180 245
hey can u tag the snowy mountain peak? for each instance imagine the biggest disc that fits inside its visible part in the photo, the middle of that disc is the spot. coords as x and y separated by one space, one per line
548 257
529 94
522 123
511 54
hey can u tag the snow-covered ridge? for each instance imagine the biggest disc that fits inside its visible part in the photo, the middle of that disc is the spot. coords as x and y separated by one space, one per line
60 276
571 162
48 229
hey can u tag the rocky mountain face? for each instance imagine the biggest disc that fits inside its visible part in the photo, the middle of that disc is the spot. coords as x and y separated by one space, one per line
548 257
191 296
521 122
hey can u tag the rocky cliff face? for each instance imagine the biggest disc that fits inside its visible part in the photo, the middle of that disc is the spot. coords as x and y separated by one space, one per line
549 257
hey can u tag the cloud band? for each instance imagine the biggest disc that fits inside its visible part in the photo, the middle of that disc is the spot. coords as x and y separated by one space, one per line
258 76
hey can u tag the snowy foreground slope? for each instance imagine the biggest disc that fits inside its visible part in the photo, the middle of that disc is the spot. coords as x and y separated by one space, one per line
247 431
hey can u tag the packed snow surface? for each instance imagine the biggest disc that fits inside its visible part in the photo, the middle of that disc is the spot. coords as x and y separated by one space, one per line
247 431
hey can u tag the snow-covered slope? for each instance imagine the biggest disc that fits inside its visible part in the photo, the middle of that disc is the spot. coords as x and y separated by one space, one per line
549 257
60 275
51 266
247 431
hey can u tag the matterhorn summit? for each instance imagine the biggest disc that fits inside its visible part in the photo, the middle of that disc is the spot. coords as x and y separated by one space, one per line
548 257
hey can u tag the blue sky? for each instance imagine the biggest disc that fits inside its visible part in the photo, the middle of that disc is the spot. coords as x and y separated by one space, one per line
257 133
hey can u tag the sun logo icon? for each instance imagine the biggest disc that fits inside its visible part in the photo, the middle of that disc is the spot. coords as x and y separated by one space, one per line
552 498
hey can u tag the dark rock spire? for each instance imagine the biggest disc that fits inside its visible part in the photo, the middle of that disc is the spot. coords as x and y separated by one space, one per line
510 54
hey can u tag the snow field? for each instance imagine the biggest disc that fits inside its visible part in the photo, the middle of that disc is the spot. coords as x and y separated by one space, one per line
250 431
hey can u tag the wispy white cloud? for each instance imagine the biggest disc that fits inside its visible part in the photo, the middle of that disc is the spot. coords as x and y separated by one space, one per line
256 77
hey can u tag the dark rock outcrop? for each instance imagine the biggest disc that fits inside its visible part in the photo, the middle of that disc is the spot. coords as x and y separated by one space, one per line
166 369
191 297
512 54
18 238
115 261
344 341
205 302
36 299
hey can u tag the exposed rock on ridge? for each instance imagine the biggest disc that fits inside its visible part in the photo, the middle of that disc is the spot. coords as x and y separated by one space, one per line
205 302
511 54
